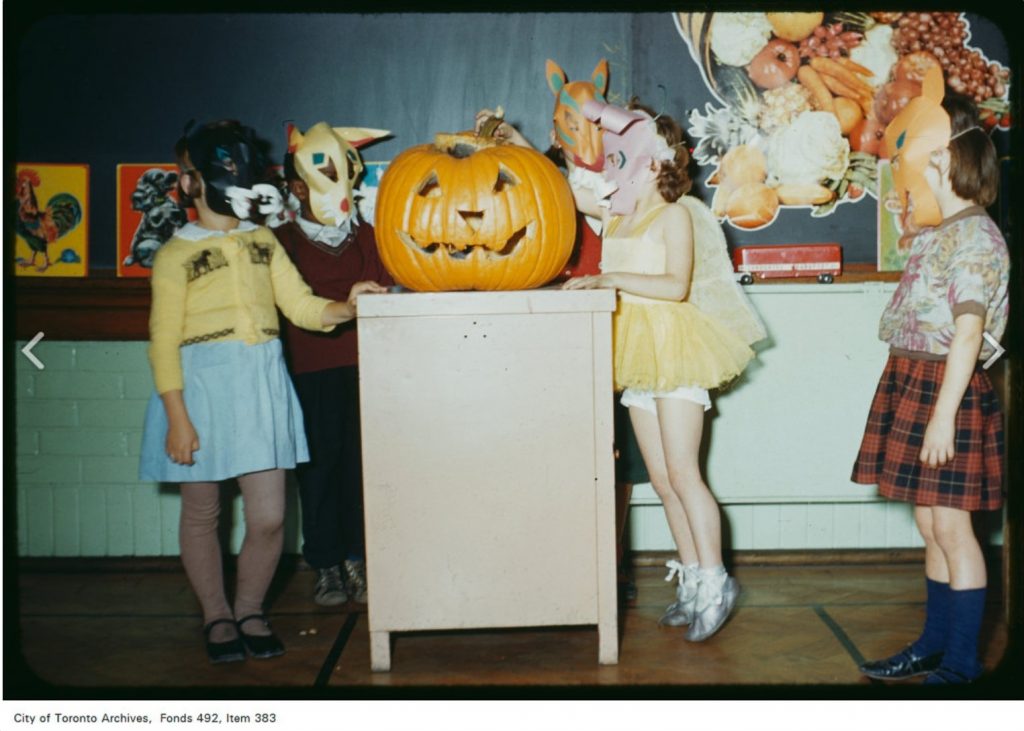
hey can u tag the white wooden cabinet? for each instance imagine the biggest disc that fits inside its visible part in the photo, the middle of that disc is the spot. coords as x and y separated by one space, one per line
487 462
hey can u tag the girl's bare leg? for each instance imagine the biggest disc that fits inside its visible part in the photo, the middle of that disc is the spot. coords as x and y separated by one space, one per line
954 534
648 437
682 425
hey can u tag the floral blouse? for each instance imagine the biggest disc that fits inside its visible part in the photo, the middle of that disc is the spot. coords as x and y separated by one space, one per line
961 266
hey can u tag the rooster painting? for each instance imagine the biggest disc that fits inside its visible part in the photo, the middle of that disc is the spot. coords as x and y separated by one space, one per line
40 228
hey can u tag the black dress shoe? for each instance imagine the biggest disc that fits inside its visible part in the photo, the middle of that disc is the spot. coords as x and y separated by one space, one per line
230 651
905 664
948 676
260 646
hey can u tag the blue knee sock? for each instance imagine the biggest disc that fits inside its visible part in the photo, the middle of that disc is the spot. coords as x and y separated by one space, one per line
966 610
936 622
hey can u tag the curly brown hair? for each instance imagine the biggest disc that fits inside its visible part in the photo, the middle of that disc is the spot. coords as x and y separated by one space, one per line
674 179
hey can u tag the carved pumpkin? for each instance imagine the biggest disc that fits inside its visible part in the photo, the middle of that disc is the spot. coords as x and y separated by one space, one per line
473 212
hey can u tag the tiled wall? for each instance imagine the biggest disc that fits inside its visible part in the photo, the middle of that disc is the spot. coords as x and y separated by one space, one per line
79 428
781 444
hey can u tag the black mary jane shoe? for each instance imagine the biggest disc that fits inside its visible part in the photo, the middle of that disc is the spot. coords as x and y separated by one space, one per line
260 646
229 651
905 664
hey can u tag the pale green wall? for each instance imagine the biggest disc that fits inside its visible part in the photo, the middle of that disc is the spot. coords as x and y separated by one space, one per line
79 428
781 446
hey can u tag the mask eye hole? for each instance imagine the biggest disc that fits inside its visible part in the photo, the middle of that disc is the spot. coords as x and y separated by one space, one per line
329 171
430 188
505 180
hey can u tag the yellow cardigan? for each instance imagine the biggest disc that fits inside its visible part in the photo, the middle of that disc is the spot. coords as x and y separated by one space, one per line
222 286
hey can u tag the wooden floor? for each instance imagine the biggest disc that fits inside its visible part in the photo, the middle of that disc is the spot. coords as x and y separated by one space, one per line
795 626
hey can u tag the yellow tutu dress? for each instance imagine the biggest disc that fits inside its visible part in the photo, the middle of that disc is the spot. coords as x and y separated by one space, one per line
703 341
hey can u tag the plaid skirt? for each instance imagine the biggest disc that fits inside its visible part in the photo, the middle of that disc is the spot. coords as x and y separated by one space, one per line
890 453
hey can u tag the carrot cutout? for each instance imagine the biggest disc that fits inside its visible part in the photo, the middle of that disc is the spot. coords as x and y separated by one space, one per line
838 88
820 93
855 67
828 67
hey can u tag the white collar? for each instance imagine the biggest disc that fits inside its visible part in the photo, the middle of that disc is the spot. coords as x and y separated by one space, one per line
192 231
332 236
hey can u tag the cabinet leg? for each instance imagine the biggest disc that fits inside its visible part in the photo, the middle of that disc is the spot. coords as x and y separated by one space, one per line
608 643
380 652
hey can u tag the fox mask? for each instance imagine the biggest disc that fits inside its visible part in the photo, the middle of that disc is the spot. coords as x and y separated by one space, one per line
577 136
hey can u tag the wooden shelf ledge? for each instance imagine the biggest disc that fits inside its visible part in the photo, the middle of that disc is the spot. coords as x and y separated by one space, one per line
104 307
100 307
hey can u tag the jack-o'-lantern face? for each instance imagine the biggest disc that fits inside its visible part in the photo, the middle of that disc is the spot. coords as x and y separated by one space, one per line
472 212
577 136
326 160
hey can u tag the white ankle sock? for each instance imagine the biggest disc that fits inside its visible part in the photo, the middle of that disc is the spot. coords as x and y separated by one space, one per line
714 577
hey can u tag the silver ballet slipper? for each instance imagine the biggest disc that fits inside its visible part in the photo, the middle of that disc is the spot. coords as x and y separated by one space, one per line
713 612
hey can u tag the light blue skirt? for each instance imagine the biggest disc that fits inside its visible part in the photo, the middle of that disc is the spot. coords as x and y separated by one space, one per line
243 406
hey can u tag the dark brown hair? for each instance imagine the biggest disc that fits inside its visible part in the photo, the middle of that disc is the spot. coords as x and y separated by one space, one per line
674 179
185 165
973 165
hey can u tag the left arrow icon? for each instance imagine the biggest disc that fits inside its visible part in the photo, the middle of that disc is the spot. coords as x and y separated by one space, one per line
27 350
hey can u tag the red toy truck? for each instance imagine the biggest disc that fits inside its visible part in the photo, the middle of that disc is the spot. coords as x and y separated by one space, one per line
824 261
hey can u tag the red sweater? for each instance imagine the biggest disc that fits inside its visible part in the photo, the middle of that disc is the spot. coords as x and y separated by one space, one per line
331 273
586 253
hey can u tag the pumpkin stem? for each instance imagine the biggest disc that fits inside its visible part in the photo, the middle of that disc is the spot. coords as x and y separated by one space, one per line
490 126
464 144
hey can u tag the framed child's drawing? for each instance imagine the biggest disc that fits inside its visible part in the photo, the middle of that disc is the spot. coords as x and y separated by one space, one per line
148 214
51 220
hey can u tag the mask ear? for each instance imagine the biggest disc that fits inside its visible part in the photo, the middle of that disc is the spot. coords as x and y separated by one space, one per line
600 78
932 86
295 138
555 76
360 136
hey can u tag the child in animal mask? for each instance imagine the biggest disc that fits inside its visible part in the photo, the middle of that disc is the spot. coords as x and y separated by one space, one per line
224 406
934 434
576 146
682 327
333 248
